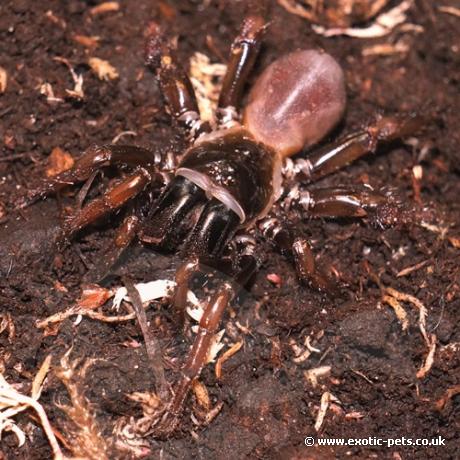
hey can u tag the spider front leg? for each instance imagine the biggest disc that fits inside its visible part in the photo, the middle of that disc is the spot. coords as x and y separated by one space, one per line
243 54
198 354
116 197
92 159
339 154
174 82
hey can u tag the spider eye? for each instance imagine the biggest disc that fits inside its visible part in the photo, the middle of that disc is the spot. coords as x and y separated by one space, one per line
296 101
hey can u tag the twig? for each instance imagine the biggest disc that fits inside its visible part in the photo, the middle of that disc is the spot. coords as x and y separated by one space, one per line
413 268
427 365
227 355
151 343
450 10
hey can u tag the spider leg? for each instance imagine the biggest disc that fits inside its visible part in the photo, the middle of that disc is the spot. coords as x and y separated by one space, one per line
340 201
243 53
91 160
174 82
286 239
125 234
198 354
113 199
339 154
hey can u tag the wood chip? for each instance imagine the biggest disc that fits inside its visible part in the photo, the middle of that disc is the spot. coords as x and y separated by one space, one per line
202 395
87 42
326 399
312 375
105 7
386 49
450 10
412 268
3 80
103 69
59 161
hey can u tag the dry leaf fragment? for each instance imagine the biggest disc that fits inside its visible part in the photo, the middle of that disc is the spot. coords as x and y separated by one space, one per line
3 79
94 296
105 7
454 241
103 69
58 161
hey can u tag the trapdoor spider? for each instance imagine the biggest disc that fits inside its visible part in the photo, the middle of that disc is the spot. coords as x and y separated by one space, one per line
230 181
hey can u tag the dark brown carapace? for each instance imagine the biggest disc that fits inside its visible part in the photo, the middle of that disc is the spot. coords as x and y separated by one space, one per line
230 181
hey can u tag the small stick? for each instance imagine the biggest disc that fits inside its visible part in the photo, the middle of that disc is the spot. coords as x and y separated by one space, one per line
151 343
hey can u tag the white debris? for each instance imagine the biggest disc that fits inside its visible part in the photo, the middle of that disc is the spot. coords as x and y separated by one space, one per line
216 346
13 402
326 399
153 290
382 25
148 291
206 79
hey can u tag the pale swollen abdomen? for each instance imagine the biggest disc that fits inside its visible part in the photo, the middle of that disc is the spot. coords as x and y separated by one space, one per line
296 101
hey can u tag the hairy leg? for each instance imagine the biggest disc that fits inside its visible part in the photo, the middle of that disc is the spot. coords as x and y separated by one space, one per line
339 201
91 160
174 81
198 354
113 199
344 151
243 54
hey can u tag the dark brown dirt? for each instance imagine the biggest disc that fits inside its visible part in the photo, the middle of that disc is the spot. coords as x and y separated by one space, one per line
269 406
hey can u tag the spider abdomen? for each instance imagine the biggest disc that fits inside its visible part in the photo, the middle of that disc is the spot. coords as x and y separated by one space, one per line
234 168
296 101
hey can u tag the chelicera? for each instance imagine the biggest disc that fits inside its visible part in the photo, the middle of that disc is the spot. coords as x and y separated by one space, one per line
230 181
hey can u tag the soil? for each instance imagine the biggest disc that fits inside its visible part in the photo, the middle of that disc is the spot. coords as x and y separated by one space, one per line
269 406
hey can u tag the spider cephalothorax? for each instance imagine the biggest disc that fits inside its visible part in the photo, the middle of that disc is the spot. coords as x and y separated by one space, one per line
229 181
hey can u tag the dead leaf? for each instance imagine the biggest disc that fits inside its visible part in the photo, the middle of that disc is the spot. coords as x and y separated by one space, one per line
94 296
59 161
